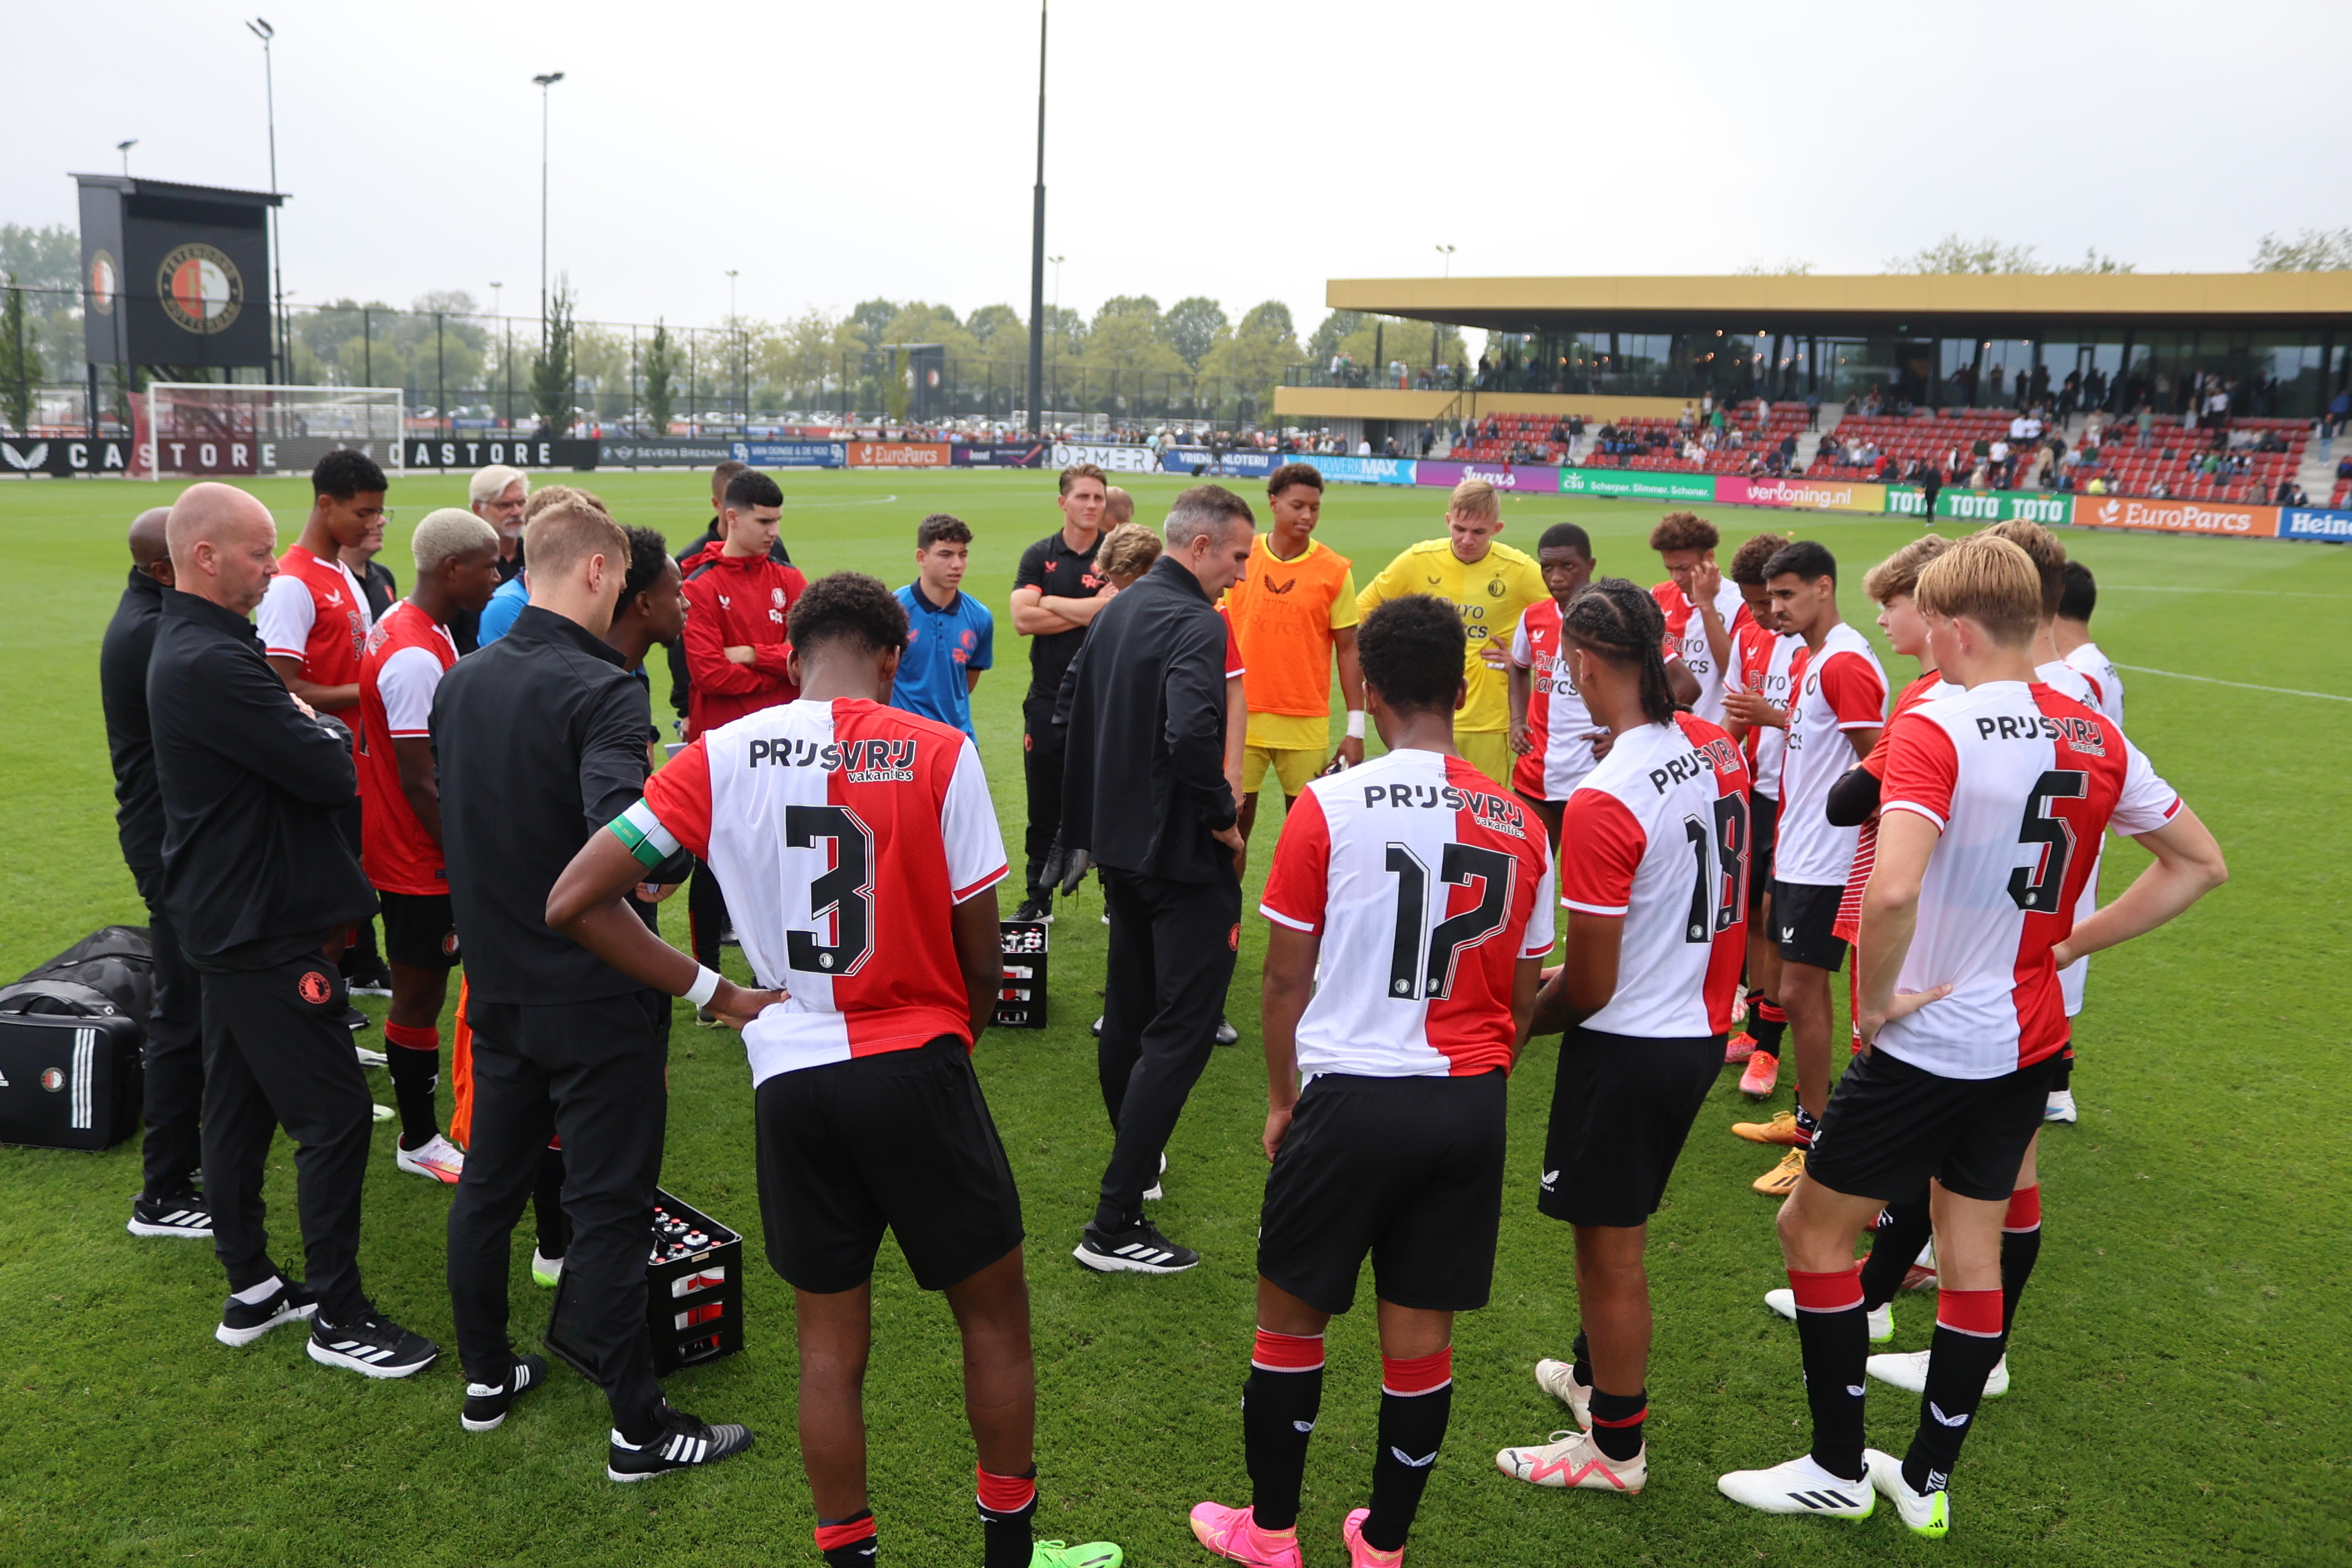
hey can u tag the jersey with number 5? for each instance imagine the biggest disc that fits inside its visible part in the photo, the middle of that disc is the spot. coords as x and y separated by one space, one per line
1428 882
845 833
2019 781
1660 837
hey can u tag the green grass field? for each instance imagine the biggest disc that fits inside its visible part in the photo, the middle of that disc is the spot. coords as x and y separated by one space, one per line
2182 1376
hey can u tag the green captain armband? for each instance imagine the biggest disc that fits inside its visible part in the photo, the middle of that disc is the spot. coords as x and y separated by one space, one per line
641 832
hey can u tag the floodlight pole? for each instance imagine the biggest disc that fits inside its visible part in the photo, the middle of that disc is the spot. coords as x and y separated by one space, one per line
261 29
1037 246
544 83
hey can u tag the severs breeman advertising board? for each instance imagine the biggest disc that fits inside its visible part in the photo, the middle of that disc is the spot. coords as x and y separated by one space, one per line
2216 518
1808 495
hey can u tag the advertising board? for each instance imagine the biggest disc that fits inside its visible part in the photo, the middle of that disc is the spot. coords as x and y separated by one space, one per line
997 455
480 452
669 452
1208 465
2044 507
1640 484
789 454
1808 495
1111 459
2306 522
1363 470
898 454
2215 517
1532 479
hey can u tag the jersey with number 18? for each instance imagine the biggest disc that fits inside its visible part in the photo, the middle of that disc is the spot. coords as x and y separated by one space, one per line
1428 883
845 833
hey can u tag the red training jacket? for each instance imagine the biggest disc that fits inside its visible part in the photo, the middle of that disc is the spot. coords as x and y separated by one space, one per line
732 602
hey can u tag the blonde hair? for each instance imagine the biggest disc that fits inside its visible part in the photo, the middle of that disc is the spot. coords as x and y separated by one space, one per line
1475 499
1989 580
1126 552
1118 507
1899 573
569 529
451 531
489 484
2041 548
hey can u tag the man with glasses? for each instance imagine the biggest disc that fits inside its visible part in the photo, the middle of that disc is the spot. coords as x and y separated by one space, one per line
495 495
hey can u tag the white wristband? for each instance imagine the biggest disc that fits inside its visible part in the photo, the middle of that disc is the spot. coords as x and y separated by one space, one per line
705 986
1355 723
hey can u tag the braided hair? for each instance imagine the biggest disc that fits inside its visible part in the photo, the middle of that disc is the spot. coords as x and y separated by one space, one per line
1615 619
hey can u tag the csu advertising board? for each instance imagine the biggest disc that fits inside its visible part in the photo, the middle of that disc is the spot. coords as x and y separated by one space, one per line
1639 484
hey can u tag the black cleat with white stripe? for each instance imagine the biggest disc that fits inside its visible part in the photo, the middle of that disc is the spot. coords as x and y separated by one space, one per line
242 1322
683 1441
370 1344
184 1217
487 1404
1139 1248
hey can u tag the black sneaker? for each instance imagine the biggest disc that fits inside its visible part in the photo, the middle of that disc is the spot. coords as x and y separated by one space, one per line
683 1441
186 1217
354 1020
243 1322
1035 911
1138 1249
371 1345
487 1404
372 978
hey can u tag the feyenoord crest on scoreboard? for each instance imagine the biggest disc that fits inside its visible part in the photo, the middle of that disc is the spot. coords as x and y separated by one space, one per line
174 275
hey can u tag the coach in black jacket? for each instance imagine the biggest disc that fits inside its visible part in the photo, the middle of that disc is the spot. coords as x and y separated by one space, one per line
541 738
260 885
1145 793
167 1203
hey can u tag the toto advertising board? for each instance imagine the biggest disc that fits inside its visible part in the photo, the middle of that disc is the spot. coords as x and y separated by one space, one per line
1109 458
1533 481
1981 506
2176 517
1809 495
1638 484
898 454
790 454
2302 522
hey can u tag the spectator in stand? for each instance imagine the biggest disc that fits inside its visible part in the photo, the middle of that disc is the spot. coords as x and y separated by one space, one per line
2146 419
1997 463
1763 415
1813 411
1688 422
2339 410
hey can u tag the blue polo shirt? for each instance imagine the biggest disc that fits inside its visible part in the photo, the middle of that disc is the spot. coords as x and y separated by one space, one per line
498 615
942 642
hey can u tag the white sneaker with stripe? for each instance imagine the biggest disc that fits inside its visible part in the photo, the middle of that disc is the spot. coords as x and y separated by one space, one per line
1801 1486
1138 1249
371 1345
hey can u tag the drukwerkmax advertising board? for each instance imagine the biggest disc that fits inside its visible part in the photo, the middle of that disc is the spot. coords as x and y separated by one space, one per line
1362 470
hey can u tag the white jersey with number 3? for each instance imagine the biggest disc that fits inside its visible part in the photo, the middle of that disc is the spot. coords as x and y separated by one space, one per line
1428 883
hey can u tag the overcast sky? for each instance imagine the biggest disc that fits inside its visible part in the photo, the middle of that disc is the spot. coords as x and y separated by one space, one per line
833 152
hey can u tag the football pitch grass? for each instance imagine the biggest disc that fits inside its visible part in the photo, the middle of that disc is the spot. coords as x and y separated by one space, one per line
2182 1378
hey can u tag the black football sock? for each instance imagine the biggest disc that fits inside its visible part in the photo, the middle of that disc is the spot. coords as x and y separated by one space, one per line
1903 1230
1617 1422
1769 1023
1967 1343
849 1542
2063 1076
1416 1400
547 1204
1581 1352
1832 1332
1008 1505
414 1063
1807 1125
2020 1245
1279 1404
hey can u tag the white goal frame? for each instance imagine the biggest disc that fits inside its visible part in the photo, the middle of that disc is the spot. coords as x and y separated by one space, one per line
254 420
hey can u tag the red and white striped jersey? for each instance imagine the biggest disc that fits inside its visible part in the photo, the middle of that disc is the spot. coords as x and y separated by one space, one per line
2063 678
2105 679
315 611
1838 689
1847 926
407 653
845 833
2020 782
1427 883
1559 728
1686 630
1761 661
1661 835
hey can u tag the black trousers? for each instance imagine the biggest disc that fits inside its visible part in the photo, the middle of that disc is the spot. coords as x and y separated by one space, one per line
593 1072
278 1053
1041 752
706 915
1171 957
361 957
173 1057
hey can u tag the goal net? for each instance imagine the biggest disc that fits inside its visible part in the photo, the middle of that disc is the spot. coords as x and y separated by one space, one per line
198 429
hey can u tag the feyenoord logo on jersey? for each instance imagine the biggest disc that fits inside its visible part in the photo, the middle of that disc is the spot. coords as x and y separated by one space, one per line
314 987
200 289
105 282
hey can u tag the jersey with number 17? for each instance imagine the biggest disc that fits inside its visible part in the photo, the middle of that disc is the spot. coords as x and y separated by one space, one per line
845 833
1428 883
